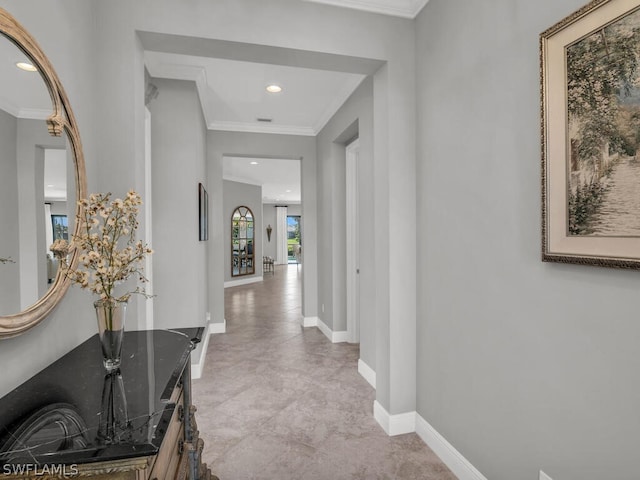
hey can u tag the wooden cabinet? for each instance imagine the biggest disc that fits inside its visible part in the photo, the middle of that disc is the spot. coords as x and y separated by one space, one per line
72 420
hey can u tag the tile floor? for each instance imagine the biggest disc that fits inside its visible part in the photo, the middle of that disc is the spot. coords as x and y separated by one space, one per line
277 401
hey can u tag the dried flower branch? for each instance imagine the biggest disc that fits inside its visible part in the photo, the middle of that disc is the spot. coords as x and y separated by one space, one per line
109 251
6 260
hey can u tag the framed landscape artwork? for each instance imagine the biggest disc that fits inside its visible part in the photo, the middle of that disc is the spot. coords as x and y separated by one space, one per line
590 109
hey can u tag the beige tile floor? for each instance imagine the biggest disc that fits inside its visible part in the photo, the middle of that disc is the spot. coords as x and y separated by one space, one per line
277 401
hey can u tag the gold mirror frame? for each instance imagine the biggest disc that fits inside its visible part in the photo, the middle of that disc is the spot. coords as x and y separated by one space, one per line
59 122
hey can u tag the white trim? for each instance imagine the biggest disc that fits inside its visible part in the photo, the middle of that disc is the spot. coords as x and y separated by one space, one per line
148 221
353 268
543 476
218 327
34 113
396 8
398 424
453 459
335 337
197 367
367 372
243 281
258 128
210 329
310 321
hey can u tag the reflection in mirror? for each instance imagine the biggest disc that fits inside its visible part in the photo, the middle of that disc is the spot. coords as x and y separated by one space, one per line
54 428
39 146
24 106
242 242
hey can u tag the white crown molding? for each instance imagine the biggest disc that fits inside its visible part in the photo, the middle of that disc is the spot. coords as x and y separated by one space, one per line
34 113
9 107
396 8
253 128
26 113
233 178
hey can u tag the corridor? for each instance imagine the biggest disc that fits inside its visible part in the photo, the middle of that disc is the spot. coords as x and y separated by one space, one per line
277 401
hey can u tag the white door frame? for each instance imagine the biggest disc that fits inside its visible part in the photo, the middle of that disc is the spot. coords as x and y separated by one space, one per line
148 237
352 230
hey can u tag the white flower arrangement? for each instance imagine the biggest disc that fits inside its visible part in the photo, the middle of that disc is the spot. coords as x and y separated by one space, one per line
109 251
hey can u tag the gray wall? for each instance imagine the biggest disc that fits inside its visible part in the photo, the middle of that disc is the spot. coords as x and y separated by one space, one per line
236 195
178 149
354 118
9 242
522 365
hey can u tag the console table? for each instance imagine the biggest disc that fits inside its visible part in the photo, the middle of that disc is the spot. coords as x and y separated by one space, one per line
73 419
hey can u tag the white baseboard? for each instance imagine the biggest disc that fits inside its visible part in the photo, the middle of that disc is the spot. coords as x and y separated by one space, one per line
367 372
310 321
218 327
394 424
452 458
198 365
335 337
210 329
243 281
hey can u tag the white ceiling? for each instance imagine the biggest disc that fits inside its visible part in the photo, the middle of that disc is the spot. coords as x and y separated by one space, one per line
233 93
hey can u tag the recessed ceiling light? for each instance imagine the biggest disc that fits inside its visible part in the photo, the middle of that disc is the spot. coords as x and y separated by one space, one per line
255 163
288 191
27 67
274 88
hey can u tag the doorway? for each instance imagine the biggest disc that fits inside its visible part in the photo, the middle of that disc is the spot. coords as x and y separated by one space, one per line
352 230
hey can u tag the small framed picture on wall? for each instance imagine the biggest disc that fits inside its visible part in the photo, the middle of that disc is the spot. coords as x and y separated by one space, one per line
203 213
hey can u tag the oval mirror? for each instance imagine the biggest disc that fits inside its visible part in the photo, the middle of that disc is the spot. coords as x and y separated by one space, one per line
41 176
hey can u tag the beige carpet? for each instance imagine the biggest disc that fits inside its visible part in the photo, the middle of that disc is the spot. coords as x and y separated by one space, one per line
277 401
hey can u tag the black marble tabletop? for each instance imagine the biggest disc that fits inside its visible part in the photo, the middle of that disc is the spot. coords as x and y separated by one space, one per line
73 412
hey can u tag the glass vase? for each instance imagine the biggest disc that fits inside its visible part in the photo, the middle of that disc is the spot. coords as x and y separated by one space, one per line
111 315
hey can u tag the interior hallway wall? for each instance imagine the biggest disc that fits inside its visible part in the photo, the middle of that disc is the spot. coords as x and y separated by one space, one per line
178 149
522 365
353 119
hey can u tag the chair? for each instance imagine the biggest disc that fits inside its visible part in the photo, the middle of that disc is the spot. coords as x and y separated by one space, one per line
267 265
